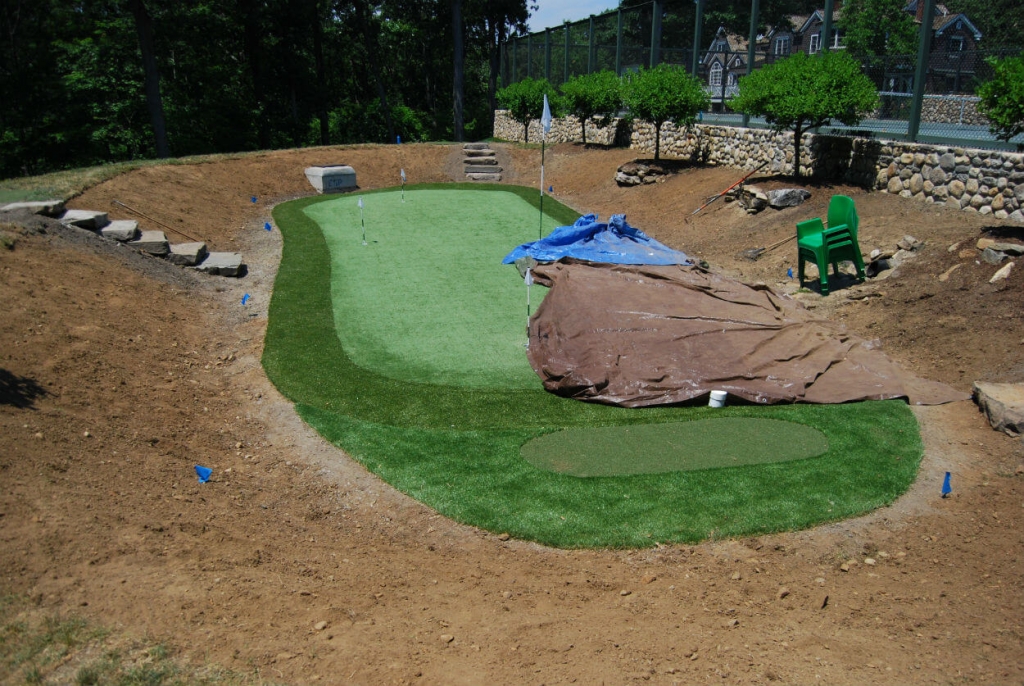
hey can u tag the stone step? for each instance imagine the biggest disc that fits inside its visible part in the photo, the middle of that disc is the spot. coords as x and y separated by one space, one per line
473 176
222 264
121 230
187 254
47 208
85 219
482 169
480 160
475 146
152 242
479 153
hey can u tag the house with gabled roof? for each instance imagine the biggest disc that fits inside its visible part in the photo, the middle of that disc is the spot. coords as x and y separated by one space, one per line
723 64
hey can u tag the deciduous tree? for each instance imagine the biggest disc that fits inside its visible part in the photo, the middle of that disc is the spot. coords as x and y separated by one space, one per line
1002 98
665 93
588 95
525 101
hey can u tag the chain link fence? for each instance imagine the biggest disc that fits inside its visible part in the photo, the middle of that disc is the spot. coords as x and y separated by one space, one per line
627 40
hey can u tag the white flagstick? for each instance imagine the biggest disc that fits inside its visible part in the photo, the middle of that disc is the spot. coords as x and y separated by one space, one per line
528 278
361 220
403 185
545 122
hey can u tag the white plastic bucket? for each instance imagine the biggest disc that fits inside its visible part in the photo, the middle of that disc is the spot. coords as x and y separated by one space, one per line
717 399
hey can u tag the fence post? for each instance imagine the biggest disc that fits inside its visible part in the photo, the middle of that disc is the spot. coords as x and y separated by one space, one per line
618 43
655 33
755 16
590 47
698 23
921 73
826 25
565 69
547 54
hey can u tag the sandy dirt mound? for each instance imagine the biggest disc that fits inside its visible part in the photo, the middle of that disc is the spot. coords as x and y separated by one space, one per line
118 374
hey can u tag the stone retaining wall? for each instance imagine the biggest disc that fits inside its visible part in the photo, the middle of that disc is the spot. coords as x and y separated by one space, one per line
984 181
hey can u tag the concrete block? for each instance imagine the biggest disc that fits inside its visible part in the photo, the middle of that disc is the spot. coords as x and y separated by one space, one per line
482 169
152 242
121 230
85 219
475 146
332 178
479 153
483 177
47 208
187 254
222 264
480 160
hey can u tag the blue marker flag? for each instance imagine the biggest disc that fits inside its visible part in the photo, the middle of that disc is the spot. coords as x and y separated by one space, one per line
204 473
246 298
266 225
254 199
946 488
789 272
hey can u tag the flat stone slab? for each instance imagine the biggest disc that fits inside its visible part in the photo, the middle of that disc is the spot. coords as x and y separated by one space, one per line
787 197
152 242
85 219
121 230
332 178
478 153
476 146
1003 405
222 264
47 208
187 254
480 160
483 177
482 169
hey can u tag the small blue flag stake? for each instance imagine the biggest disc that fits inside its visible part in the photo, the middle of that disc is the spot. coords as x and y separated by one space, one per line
361 220
266 225
204 473
398 140
789 272
946 488
253 200
246 298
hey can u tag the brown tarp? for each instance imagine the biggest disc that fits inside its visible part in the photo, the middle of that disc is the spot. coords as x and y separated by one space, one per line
650 335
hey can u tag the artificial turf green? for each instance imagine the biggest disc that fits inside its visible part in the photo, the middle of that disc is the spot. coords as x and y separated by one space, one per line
427 299
457 448
673 446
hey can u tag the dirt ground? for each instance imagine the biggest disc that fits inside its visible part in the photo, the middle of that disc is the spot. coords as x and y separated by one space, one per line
119 372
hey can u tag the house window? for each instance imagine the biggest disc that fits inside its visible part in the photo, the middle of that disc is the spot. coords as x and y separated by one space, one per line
835 38
815 44
956 44
715 77
782 45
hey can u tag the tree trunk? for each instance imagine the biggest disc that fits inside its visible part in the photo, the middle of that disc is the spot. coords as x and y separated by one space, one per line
526 130
372 47
657 141
144 28
254 56
458 85
321 76
798 133
583 126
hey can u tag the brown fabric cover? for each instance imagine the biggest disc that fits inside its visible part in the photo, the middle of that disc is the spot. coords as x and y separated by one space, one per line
650 335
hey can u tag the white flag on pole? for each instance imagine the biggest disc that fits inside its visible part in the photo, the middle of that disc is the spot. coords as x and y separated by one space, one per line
360 203
403 176
545 120
528 277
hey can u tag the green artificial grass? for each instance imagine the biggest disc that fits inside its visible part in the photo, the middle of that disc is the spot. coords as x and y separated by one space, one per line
675 446
427 299
458 448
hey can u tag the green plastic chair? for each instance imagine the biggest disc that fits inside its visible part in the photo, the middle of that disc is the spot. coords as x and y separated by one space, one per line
837 243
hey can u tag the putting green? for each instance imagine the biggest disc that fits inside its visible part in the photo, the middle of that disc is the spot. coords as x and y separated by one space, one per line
427 299
675 446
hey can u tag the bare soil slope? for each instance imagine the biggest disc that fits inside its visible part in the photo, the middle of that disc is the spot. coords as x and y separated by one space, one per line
119 373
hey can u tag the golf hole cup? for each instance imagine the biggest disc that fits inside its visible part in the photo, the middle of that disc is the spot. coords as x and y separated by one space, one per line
717 399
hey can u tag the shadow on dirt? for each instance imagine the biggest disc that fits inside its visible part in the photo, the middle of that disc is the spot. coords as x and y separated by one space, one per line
19 391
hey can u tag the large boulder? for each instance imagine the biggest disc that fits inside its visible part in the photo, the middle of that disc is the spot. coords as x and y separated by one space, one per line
1003 405
787 197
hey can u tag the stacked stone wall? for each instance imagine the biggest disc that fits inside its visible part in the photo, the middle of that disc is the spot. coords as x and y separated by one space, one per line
974 180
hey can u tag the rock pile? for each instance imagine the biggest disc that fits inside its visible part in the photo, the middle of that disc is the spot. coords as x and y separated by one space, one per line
194 255
753 199
637 173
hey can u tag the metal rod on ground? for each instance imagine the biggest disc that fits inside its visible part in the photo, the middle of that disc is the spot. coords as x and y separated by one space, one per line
729 188
134 211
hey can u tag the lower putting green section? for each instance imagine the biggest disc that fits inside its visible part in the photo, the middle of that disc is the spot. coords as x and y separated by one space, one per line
459 448
427 299
675 446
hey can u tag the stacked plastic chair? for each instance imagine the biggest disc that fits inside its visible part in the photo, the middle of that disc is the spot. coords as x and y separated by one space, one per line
832 245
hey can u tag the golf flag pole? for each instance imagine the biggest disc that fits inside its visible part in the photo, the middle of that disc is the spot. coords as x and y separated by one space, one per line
528 278
545 122
403 185
361 220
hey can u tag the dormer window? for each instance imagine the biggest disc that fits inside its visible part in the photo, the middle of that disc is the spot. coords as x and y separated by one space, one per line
815 43
715 75
782 44
956 44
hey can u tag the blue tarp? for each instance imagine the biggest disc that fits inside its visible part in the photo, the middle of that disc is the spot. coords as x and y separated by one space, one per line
613 243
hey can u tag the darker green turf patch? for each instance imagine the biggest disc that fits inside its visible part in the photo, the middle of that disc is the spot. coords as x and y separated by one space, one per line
672 447
458 449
